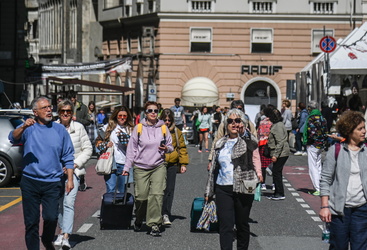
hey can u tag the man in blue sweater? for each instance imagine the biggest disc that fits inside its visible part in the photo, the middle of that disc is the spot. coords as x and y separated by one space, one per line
48 154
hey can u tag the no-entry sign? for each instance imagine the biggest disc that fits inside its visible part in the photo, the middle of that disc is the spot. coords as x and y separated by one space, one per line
327 44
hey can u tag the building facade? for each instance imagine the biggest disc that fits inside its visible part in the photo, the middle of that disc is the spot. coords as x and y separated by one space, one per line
211 52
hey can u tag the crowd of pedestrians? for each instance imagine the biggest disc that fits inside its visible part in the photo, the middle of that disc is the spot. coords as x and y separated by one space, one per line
150 148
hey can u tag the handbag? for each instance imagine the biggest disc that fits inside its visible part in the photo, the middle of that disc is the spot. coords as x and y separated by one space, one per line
248 182
257 196
105 162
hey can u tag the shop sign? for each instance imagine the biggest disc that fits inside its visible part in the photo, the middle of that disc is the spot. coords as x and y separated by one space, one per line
260 69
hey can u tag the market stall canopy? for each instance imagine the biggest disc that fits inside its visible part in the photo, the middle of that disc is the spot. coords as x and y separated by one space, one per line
200 91
351 54
117 89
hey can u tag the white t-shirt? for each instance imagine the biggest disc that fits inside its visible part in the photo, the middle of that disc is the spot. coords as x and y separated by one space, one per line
225 175
355 194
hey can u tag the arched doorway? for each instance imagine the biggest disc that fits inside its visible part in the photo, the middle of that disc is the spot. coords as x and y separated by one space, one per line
200 91
257 91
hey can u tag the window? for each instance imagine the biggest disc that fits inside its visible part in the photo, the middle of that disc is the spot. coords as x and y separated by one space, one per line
201 40
261 41
201 6
112 3
323 7
316 37
262 7
128 8
151 6
139 8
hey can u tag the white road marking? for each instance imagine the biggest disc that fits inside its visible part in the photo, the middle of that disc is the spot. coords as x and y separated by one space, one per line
84 228
310 212
295 194
300 199
291 189
317 219
305 206
97 213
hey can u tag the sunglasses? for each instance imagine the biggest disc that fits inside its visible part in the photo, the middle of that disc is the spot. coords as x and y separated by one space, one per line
237 120
167 120
68 111
122 116
152 111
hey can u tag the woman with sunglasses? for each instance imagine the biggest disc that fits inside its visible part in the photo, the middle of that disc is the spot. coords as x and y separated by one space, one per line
117 135
82 152
177 159
279 150
146 155
205 128
234 161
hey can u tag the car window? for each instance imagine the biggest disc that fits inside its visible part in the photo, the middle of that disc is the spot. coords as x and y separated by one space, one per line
16 122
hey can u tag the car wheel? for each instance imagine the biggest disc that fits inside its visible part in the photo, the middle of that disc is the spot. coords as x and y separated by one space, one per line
6 172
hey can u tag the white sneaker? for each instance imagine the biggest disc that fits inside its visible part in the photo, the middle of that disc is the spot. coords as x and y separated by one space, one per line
166 220
58 241
65 244
273 187
304 154
263 187
298 153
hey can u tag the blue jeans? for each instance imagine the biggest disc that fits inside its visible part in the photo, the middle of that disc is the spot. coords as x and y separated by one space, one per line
34 194
299 145
66 208
111 179
350 228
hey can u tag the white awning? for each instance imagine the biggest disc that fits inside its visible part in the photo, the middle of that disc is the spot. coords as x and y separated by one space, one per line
351 54
200 91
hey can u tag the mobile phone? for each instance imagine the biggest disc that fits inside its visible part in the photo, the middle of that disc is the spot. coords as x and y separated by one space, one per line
163 143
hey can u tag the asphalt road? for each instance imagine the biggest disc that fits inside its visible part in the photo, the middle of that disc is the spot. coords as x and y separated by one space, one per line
289 224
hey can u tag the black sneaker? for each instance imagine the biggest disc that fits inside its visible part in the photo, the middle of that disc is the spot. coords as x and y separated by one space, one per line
137 226
83 184
155 232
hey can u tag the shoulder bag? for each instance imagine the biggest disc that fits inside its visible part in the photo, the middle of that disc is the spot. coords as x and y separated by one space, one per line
105 162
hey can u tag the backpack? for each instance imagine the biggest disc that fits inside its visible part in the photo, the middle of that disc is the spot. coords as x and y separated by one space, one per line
140 130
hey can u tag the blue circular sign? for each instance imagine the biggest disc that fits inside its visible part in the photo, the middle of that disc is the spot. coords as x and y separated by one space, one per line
327 44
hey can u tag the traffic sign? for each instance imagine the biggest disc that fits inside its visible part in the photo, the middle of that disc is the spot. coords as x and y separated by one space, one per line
327 44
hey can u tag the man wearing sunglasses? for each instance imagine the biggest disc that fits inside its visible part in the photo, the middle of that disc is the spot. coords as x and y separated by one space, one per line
179 111
47 150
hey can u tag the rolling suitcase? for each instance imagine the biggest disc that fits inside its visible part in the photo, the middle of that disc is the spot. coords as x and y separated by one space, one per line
196 211
116 210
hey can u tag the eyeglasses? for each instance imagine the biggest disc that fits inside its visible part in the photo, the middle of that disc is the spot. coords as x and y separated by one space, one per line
68 111
152 111
46 107
237 120
122 116
167 120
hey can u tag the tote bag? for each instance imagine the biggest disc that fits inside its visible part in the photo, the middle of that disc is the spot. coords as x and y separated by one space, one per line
105 162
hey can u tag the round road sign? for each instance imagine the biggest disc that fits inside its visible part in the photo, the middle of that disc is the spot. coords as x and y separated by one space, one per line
327 44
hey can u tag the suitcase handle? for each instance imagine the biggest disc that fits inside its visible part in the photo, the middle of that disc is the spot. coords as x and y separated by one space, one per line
125 192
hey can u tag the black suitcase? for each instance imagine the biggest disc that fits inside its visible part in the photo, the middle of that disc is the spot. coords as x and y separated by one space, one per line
116 210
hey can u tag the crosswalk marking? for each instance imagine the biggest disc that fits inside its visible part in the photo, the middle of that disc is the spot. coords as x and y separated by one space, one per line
310 212
84 228
305 206
96 214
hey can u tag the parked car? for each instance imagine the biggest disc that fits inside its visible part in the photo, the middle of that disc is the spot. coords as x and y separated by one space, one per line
11 156
188 131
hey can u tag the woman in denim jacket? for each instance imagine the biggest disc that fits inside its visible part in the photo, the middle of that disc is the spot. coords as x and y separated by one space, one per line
343 185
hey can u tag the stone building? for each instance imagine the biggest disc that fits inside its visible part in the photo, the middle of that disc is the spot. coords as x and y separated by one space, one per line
211 52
